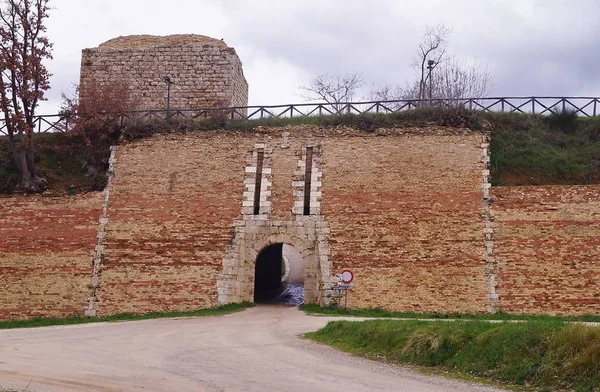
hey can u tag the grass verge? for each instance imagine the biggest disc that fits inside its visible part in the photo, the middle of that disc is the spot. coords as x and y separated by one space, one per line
47 322
378 312
544 354
526 149
59 159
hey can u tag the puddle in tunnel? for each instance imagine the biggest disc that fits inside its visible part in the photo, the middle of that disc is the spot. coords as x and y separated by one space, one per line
292 294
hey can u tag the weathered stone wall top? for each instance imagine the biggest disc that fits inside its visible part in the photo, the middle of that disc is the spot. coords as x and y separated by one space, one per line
153 41
205 72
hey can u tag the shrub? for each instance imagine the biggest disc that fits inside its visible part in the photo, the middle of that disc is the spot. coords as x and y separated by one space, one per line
574 353
95 113
549 354
563 121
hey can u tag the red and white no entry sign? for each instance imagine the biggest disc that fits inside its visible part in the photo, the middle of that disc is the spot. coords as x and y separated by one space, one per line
347 276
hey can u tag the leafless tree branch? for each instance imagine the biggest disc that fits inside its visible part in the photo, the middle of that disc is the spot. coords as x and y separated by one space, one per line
333 89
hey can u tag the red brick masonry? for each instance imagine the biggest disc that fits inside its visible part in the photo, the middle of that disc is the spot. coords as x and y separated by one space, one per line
405 209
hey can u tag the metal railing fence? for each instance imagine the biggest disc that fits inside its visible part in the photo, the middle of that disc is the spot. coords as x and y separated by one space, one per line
582 106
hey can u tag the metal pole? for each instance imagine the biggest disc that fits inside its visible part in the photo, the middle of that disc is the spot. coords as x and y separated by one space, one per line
346 299
430 86
169 83
168 97
430 64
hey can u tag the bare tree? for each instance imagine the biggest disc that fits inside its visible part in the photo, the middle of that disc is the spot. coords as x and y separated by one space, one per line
439 74
333 89
388 92
93 119
432 51
23 79
457 79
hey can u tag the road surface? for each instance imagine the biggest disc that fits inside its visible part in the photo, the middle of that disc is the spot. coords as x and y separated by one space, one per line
254 350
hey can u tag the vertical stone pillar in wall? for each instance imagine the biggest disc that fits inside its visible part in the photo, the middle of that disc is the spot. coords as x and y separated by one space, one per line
94 285
318 270
253 170
233 283
299 183
308 233
488 231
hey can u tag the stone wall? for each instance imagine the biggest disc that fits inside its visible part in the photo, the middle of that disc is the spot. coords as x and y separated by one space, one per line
408 210
205 71
46 251
402 208
547 246
405 213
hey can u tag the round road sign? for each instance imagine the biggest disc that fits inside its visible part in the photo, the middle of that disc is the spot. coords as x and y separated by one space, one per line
346 276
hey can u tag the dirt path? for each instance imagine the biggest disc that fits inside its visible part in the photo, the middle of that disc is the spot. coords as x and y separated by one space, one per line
255 350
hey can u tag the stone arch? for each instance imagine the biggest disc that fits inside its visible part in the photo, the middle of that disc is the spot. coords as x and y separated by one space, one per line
274 282
302 245
294 265
307 250
236 282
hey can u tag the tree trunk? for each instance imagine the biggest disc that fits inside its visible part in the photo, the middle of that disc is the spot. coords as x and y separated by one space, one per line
30 181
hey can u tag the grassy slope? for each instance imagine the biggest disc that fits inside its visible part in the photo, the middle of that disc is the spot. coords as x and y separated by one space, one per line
526 149
530 150
46 322
549 355
59 159
378 312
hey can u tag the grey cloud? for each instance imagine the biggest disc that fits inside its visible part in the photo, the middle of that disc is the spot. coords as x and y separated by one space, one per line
531 46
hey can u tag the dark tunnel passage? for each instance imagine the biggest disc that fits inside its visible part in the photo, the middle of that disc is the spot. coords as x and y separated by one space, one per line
267 279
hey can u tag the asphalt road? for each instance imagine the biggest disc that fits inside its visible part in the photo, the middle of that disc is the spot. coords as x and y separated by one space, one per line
254 350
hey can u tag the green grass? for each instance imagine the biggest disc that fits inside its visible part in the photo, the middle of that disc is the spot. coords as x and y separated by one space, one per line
525 149
378 312
544 354
59 159
543 151
46 322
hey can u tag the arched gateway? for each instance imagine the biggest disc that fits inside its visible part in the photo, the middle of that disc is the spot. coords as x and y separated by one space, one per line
236 283
307 233
279 275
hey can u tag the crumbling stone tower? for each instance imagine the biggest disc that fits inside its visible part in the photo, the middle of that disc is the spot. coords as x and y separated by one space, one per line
205 72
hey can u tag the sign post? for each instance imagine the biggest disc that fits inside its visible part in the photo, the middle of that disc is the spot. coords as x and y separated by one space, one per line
345 281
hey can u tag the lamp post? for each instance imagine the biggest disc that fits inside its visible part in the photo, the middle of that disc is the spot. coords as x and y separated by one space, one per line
169 83
430 65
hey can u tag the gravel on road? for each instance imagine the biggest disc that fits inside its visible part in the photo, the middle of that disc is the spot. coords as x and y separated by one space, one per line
259 349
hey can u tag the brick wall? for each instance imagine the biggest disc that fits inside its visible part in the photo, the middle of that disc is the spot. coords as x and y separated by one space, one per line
404 208
205 71
46 249
405 213
547 246
173 201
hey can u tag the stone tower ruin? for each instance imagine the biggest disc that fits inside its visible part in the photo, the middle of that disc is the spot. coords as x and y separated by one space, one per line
205 72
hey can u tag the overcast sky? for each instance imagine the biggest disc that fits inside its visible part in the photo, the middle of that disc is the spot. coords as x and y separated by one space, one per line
531 47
